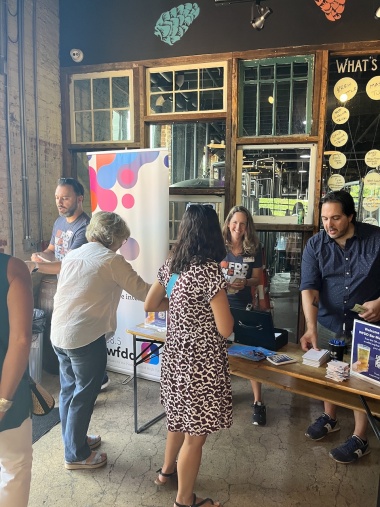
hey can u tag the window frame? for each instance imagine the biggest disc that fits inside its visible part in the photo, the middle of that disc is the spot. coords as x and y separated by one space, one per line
72 112
264 62
178 68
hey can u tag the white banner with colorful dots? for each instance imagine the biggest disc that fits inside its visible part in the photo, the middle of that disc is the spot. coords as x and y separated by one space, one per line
135 185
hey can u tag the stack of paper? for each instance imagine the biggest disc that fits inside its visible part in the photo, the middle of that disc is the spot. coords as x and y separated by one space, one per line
315 357
338 370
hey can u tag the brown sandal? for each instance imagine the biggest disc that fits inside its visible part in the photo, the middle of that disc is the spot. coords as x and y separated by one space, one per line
168 476
202 502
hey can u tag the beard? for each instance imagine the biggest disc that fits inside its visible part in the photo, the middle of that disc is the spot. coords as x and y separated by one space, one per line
69 211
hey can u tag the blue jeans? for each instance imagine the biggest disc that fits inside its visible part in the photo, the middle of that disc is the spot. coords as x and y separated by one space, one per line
81 373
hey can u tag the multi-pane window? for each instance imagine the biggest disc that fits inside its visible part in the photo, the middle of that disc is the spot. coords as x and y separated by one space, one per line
276 96
186 89
277 182
101 107
196 152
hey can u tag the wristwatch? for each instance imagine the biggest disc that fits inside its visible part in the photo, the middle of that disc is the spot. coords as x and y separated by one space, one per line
35 267
5 404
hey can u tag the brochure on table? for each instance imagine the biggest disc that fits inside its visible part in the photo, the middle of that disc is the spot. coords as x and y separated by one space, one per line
134 184
365 352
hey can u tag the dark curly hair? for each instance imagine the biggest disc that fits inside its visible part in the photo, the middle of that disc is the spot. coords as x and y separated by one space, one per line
344 199
199 239
251 240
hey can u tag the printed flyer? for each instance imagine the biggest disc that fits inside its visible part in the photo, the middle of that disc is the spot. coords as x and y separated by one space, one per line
365 353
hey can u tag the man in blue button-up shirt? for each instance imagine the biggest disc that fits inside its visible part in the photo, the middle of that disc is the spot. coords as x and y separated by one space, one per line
340 267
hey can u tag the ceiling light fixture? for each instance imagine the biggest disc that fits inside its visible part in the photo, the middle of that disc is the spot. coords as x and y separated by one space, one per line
377 13
264 12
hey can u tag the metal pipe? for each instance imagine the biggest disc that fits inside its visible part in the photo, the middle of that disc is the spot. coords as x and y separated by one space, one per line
36 121
4 30
23 126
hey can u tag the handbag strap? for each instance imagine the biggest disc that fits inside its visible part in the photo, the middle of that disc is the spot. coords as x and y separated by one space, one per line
171 283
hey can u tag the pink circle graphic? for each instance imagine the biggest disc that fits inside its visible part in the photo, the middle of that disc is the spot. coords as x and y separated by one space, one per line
130 250
128 201
126 178
107 199
92 177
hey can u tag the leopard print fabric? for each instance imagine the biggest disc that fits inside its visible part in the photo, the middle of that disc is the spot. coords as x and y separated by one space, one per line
195 378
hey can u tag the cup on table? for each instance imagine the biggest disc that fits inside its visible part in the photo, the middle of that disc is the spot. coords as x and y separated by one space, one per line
363 357
336 349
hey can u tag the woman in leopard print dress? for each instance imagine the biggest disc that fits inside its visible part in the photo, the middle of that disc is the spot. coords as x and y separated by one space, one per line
195 380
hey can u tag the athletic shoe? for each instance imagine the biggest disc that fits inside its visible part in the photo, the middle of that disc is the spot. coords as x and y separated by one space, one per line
105 382
352 449
321 427
259 416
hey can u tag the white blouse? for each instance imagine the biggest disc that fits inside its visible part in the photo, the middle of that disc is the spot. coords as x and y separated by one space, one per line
89 287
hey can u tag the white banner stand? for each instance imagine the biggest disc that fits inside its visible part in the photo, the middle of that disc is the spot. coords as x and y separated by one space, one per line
135 185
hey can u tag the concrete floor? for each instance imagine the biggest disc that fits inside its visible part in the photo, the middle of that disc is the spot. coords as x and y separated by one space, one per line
246 466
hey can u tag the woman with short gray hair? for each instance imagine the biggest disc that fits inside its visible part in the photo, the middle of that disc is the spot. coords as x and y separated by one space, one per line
107 228
90 284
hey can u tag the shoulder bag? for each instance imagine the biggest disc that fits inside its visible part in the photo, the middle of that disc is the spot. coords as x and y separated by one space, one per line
43 402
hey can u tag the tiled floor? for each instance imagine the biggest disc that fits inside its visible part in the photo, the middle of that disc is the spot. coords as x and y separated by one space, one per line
247 466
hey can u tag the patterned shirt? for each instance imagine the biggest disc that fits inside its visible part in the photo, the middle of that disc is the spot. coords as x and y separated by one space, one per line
68 236
343 277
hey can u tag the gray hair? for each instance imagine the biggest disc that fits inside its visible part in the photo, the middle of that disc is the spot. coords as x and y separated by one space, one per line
107 228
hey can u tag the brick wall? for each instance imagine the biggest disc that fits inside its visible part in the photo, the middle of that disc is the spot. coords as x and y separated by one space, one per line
48 110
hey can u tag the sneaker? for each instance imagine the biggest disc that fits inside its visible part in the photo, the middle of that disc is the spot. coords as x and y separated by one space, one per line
259 416
352 449
321 427
105 382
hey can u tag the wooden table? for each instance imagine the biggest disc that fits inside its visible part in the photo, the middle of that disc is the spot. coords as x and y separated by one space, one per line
355 394
310 381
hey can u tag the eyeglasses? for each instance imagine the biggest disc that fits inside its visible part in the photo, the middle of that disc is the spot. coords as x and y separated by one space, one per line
78 187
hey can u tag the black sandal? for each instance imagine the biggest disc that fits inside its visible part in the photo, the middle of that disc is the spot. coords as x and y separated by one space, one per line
168 476
202 502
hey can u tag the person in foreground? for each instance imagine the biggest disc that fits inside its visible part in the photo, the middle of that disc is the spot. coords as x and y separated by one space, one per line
195 380
340 267
16 314
243 261
90 283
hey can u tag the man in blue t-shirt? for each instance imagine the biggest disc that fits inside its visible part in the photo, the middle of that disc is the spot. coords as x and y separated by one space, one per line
69 232
69 229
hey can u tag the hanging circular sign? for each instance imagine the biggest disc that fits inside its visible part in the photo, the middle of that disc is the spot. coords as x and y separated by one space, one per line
371 220
345 89
338 138
372 158
337 160
372 179
336 182
373 88
371 203
340 115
